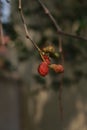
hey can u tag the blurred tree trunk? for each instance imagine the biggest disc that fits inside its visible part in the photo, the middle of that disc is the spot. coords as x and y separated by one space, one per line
13 105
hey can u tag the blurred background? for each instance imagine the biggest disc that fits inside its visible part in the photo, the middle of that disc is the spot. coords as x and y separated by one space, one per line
27 100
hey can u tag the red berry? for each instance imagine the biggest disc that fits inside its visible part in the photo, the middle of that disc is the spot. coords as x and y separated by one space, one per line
47 59
57 68
43 69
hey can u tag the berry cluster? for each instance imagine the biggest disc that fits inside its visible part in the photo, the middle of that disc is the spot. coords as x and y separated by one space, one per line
43 68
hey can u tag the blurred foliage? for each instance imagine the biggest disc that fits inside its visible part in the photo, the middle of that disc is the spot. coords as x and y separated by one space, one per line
9 30
39 79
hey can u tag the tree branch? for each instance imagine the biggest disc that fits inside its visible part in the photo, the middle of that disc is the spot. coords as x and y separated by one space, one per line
1 34
25 27
59 30
1 27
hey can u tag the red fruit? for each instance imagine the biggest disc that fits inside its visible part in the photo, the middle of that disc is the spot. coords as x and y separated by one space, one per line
57 68
47 59
43 69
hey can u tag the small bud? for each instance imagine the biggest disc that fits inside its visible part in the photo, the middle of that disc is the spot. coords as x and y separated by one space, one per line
54 55
57 68
43 69
49 49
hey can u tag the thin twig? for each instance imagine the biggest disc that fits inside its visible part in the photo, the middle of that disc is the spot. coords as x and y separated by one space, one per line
1 27
50 15
71 35
59 30
61 50
61 81
25 27
60 98
61 78
1 34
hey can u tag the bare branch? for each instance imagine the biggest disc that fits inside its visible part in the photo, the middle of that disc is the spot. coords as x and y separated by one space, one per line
1 27
60 98
1 34
25 27
59 30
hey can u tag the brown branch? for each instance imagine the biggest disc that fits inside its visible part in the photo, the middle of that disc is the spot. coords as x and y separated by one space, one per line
61 79
25 27
60 98
1 34
61 50
1 27
59 30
